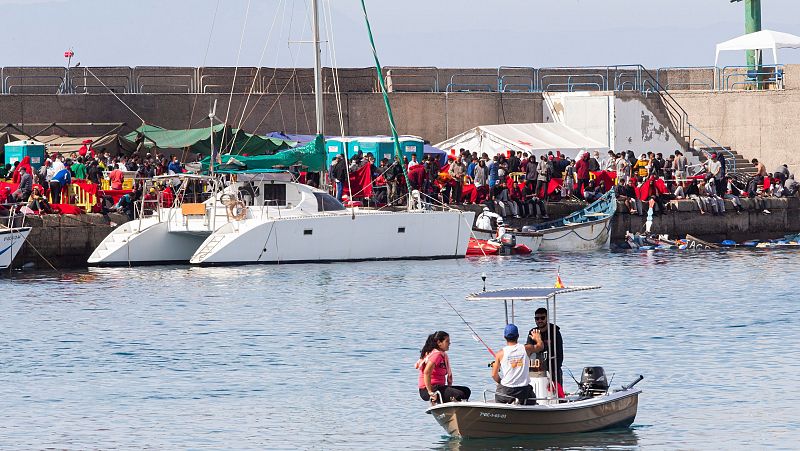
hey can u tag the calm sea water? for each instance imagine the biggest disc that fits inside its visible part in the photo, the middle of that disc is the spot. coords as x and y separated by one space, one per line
321 356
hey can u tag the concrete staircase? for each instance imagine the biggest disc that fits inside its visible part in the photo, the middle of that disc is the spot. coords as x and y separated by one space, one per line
740 164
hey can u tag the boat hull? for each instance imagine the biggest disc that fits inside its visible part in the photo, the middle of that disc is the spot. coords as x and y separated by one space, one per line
148 241
11 241
489 419
339 237
587 236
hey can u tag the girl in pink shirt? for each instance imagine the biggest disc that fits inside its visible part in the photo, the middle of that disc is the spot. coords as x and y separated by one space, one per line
435 374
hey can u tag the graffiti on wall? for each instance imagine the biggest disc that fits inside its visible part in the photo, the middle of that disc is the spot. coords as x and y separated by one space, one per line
651 129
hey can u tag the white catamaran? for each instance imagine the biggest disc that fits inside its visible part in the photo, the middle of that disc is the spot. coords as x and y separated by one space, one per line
265 217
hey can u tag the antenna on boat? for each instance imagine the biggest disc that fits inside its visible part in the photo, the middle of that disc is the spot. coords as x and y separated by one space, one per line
211 116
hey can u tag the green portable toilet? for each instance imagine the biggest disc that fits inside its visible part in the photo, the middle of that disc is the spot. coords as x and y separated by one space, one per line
412 145
383 147
336 146
17 150
375 145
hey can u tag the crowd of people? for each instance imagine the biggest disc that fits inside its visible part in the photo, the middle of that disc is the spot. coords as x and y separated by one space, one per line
514 184
518 183
512 367
41 190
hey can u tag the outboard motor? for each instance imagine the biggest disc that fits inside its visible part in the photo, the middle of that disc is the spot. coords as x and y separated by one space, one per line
508 241
593 381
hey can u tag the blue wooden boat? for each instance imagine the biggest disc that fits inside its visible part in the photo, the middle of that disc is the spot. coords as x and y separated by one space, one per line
587 229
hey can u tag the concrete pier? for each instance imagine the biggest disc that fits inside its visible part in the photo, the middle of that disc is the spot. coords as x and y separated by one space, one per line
66 241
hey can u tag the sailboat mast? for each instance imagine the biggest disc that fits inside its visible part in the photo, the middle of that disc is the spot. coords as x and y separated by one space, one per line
317 68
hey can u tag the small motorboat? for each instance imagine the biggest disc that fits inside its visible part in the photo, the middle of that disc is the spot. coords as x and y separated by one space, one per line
511 238
480 248
595 406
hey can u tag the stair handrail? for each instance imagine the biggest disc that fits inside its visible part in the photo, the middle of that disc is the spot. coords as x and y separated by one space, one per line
670 103
719 147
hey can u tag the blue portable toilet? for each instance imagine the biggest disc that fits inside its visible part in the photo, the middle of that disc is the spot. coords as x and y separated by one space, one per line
17 150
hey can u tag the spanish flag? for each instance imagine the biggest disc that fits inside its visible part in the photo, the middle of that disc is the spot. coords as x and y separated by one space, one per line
559 284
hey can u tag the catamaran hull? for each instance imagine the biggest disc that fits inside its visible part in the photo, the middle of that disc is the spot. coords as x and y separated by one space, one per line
339 237
146 242
588 236
489 419
11 241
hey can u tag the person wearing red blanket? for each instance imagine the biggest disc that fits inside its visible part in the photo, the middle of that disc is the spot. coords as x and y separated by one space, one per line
582 172
655 192
416 176
25 163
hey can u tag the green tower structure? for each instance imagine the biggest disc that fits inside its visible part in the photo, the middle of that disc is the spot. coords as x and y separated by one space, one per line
752 23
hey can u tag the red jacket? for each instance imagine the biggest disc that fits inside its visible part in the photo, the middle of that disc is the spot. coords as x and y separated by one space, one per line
582 167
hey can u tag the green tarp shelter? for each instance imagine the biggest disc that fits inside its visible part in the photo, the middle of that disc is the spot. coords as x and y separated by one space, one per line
198 140
311 156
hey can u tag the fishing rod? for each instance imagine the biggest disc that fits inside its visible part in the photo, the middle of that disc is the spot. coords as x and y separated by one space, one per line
475 334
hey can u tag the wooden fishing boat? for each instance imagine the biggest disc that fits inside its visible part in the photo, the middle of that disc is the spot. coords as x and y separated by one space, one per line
587 229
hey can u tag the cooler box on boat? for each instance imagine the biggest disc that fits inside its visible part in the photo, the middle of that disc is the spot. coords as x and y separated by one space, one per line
17 150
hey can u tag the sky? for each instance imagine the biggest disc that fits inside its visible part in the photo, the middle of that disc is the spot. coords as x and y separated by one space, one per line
440 33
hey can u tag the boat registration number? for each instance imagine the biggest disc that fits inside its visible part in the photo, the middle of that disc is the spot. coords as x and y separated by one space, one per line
501 416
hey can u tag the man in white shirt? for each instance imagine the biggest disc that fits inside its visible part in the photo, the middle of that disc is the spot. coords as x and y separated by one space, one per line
714 168
56 166
514 361
484 220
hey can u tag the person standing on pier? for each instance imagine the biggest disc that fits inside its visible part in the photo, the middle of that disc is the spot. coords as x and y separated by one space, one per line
582 172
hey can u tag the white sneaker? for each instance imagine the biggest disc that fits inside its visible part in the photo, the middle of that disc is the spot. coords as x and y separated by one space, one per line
767 212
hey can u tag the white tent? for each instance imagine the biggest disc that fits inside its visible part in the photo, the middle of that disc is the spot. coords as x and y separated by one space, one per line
531 138
764 39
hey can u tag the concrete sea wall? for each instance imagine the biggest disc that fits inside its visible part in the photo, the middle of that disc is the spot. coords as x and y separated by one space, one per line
66 241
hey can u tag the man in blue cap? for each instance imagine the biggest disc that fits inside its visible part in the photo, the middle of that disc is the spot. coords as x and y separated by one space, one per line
510 367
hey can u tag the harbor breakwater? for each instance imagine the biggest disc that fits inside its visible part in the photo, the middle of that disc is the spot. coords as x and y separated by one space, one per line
66 241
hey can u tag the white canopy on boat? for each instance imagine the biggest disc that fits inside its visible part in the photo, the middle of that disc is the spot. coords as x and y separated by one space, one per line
531 138
760 40
524 293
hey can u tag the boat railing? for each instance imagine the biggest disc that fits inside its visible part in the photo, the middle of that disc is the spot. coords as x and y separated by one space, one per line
11 220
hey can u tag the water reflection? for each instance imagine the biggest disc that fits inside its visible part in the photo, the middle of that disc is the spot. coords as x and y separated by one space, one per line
617 439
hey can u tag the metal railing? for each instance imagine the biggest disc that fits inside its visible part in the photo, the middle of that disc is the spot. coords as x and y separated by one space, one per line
513 82
456 86
730 159
766 76
427 81
411 79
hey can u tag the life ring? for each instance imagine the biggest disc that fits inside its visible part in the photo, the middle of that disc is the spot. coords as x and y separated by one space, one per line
237 210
